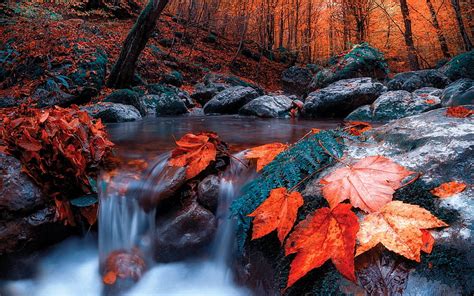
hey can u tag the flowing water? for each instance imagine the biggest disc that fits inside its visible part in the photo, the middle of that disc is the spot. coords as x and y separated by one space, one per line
72 268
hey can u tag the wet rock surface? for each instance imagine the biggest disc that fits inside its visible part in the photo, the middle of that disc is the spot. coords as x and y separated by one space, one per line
127 97
113 112
268 106
460 92
411 81
172 93
460 66
230 100
295 80
208 192
342 97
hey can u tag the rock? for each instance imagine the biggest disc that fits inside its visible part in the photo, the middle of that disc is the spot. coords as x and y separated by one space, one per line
169 105
166 42
18 193
89 77
231 81
196 112
174 78
460 92
113 112
461 66
210 38
268 106
362 61
8 101
296 80
363 113
183 232
414 80
172 91
127 97
208 192
230 100
203 93
50 94
341 97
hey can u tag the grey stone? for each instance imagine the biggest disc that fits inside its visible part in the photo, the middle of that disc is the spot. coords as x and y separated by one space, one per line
460 92
268 106
295 80
127 97
411 81
230 100
113 112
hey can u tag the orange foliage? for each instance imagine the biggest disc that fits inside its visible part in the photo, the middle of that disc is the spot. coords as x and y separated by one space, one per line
265 154
357 128
459 112
278 212
448 189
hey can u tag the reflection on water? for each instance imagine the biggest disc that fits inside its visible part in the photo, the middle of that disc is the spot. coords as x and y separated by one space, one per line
156 134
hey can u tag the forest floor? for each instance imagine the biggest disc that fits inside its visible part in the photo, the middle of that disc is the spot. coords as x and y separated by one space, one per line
44 37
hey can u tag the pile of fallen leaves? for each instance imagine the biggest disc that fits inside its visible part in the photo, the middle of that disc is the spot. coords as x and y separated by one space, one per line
60 149
343 231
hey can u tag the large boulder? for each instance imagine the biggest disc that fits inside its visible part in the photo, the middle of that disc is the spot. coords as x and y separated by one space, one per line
362 61
230 100
460 92
295 80
205 92
49 94
171 91
461 66
342 97
164 105
183 232
268 106
127 97
414 80
27 220
398 104
113 112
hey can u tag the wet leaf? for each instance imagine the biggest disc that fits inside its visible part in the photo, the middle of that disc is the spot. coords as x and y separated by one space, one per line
398 226
448 189
327 234
195 152
459 112
357 128
84 201
265 154
369 184
277 212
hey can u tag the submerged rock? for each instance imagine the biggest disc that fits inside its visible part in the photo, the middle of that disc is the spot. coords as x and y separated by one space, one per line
127 97
411 81
113 112
362 61
296 80
460 92
268 106
230 100
342 97
183 232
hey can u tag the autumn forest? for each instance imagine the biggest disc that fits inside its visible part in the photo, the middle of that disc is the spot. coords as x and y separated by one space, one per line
236 147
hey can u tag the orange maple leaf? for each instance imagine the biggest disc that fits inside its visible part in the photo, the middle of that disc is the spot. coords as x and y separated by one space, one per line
369 183
357 128
459 112
327 234
265 154
398 226
195 152
448 189
278 212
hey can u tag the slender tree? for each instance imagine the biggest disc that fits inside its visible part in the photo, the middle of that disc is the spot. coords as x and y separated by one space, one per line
439 32
462 28
123 70
408 36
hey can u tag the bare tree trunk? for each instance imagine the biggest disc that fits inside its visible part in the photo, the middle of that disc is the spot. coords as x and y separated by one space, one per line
123 70
439 32
408 35
462 29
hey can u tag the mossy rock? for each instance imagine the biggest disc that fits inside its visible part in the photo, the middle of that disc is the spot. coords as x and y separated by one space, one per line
461 66
90 76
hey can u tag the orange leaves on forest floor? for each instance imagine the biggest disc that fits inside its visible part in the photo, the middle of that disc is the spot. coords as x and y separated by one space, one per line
398 227
448 189
195 152
369 184
265 154
459 112
357 128
327 234
277 212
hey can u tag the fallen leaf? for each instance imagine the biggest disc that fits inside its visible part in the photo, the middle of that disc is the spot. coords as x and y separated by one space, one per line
357 128
428 241
64 212
430 101
109 278
369 183
448 189
195 152
327 234
459 112
265 154
398 226
278 211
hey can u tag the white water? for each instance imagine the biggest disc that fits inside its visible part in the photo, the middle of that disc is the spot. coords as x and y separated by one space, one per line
72 268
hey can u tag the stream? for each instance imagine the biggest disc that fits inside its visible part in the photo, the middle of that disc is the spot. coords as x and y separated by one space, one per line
72 267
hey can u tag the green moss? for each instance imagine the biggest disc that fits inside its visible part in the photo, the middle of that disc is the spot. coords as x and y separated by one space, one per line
461 66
